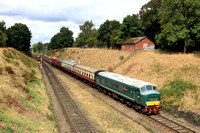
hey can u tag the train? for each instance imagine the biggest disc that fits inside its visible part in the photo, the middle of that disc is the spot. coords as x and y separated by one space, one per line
37 58
141 95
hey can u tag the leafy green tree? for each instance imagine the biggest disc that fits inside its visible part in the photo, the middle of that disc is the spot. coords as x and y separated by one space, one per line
3 39
179 22
38 47
115 39
92 40
150 18
3 26
86 35
131 27
105 30
19 37
62 39
3 36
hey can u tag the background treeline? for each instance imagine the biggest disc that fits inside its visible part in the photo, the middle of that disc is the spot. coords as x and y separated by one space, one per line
17 36
173 25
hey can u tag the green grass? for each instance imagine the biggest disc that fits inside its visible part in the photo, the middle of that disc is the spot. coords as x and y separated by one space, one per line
25 102
197 119
176 115
7 54
29 77
174 91
28 124
62 50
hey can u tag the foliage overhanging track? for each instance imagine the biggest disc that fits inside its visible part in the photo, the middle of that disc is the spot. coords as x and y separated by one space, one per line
74 117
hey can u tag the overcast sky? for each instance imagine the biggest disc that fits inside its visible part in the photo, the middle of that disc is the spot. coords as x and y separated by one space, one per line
45 17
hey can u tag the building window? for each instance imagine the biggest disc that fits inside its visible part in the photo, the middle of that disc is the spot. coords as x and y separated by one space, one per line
129 45
133 46
145 45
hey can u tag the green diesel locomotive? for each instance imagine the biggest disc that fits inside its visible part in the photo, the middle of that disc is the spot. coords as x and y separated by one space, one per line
141 95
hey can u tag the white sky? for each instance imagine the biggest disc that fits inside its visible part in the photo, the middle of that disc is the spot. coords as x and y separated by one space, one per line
45 17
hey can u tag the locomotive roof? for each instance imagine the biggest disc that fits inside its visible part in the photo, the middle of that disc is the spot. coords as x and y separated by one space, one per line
69 62
124 79
86 68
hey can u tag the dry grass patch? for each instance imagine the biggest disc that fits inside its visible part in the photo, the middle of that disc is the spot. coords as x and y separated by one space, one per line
24 104
106 118
93 57
152 66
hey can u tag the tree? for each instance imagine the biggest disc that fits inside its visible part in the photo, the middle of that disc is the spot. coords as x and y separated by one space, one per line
150 18
3 26
86 34
105 30
179 20
3 39
92 40
62 39
19 37
116 39
38 47
3 36
131 27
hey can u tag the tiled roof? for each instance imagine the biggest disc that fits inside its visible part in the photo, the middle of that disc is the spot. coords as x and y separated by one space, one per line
134 40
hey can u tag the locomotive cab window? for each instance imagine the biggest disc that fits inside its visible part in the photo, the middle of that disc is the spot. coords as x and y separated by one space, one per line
143 89
149 87
155 88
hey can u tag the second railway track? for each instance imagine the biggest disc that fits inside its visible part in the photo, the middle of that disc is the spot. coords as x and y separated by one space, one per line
74 117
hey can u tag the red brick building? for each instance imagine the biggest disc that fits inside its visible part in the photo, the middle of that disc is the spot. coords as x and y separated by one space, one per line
137 43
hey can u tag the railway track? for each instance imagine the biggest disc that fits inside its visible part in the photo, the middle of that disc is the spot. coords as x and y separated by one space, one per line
74 117
173 126
166 123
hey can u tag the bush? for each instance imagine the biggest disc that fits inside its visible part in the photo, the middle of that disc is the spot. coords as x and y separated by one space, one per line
174 91
176 115
176 88
29 77
121 57
9 70
197 119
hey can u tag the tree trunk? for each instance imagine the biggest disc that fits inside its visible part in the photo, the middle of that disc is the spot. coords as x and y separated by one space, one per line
185 45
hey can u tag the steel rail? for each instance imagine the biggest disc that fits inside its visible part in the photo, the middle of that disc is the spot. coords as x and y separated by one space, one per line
75 118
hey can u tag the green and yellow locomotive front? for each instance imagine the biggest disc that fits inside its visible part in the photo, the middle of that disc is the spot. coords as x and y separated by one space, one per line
150 98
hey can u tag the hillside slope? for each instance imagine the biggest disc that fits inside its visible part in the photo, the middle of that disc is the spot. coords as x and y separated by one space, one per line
24 104
155 67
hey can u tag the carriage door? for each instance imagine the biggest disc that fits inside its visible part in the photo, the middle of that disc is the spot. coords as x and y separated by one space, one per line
138 95
130 92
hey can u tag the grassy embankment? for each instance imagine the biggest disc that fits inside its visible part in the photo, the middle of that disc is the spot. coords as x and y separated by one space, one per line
24 104
177 75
